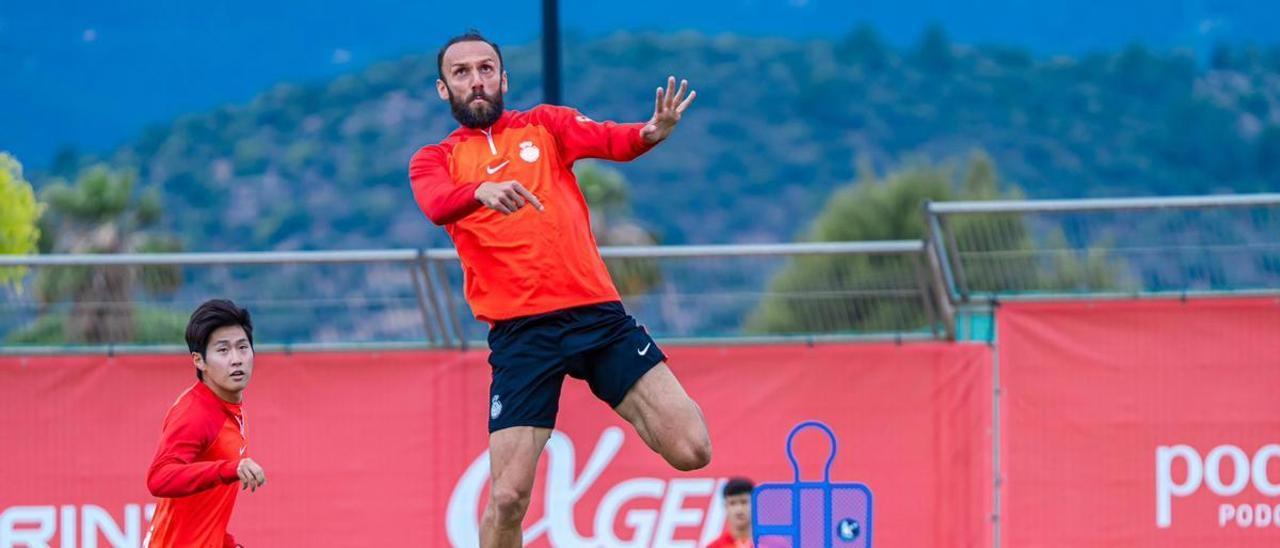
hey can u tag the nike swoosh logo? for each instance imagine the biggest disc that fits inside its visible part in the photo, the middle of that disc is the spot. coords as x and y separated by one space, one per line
644 350
497 168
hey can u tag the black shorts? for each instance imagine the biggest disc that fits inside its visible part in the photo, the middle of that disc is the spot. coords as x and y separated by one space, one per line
530 356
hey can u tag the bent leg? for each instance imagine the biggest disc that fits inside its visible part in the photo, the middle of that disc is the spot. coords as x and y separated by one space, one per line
667 419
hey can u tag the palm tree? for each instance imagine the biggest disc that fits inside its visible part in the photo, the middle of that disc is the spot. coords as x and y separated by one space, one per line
101 213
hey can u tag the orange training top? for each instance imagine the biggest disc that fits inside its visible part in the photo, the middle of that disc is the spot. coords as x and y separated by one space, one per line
194 472
531 261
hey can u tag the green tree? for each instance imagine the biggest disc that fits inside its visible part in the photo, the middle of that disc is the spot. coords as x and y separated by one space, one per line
829 293
101 213
606 192
19 218
823 293
865 47
1221 57
1268 155
933 52
65 162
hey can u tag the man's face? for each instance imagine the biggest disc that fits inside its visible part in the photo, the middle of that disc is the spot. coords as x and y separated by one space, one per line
737 509
473 83
227 363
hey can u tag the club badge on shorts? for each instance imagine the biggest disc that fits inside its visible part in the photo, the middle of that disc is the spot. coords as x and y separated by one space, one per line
802 514
495 408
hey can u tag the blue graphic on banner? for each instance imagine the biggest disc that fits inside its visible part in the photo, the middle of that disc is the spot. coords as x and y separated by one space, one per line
805 514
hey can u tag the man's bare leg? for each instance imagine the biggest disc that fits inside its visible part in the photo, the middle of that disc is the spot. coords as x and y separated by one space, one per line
667 419
513 459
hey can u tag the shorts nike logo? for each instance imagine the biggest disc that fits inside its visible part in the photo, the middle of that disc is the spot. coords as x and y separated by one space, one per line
497 168
644 350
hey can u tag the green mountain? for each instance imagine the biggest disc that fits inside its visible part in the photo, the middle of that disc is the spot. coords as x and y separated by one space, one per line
777 126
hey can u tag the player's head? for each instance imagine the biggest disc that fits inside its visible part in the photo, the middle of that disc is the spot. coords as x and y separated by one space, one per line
737 503
220 338
472 79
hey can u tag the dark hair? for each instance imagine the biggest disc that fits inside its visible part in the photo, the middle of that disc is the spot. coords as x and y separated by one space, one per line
738 486
471 35
211 316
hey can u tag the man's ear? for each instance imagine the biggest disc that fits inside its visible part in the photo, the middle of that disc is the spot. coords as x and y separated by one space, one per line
442 90
198 360
504 82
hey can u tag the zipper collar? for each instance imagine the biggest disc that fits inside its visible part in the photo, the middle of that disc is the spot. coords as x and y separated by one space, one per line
497 126
488 133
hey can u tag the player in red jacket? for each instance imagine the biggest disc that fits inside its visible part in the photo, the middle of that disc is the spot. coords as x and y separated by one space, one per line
503 187
203 446
737 515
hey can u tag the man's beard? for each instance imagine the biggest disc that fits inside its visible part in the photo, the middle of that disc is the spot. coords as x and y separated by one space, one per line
479 115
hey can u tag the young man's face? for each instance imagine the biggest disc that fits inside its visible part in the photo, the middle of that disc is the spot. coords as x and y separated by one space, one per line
737 509
227 363
473 83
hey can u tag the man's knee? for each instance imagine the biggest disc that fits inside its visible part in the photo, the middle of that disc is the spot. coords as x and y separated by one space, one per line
509 504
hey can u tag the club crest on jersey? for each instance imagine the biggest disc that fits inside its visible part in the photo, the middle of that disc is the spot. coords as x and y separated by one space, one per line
495 408
529 152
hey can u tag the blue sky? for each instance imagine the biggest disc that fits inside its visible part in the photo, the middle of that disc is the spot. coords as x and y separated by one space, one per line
92 73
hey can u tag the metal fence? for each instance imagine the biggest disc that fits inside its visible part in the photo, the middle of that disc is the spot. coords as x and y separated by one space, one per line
974 253
328 298
1122 246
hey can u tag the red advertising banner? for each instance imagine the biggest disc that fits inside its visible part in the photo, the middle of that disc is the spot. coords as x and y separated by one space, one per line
1141 423
389 448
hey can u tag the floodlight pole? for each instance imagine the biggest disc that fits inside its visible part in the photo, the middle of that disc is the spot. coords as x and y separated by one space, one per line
551 52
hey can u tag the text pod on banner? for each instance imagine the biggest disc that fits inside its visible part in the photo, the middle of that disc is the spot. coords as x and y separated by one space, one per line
1211 473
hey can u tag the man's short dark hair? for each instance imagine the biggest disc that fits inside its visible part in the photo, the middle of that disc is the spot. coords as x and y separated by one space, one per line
472 35
210 316
738 486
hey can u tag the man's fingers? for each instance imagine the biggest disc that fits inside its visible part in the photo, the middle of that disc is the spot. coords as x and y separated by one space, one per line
252 478
521 190
672 98
509 197
686 102
684 86
493 204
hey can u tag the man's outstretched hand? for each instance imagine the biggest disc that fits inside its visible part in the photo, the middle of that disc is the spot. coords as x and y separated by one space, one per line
669 104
